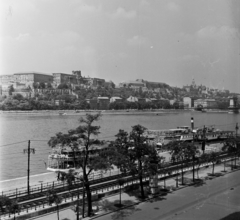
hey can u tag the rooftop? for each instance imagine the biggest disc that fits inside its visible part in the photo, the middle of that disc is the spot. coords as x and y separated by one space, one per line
32 72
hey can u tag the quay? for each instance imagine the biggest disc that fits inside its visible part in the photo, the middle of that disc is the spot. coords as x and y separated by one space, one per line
185 201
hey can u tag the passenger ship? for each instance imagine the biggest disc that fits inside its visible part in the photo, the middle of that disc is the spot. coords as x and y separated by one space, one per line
64 158
184 133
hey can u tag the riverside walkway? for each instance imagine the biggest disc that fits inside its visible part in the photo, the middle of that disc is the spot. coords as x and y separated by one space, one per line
131 199
216 199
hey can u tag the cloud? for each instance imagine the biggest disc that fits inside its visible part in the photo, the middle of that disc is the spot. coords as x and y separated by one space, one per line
122 55
91 9
218 32
189 57
185 36
144 3
23 37
70 37
122 13
137 41
171 6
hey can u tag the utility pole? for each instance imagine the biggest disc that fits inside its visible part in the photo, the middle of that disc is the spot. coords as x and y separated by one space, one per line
28 151
78 203
236 129
204 139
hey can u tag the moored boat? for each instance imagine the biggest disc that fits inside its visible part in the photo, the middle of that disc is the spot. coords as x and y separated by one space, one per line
65 158
184 133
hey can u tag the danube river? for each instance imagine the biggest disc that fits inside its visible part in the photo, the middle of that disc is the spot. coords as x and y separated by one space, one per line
18 128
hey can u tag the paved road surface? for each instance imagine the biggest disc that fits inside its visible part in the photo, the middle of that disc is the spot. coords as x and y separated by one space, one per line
221 193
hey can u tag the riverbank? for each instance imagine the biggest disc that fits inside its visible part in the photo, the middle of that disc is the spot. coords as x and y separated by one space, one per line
17 129
21 182
124 111
215 197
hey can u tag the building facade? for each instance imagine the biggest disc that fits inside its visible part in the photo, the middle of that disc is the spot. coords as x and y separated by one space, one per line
33 77
103 103
205 103
115 99
188 102
63 78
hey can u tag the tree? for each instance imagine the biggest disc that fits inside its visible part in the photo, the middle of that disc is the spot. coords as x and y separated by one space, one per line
53 197
11 90
213 158
178 153
35 85
232 146
201 160
191 151
82 139
18 97
14 207
49 85
62 86
133 153
69 177
42 85
5 202
121 182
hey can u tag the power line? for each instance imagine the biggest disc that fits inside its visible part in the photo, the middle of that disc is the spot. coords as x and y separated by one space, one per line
39 140
14 143
219 125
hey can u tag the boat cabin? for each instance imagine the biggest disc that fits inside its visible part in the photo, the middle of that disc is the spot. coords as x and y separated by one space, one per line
65 158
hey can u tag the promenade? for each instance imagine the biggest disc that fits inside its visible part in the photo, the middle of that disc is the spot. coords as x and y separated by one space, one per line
186 202
217 198
22 181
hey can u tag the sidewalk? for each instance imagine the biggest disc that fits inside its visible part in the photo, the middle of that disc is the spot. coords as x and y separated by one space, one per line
12 184
22 181
131 200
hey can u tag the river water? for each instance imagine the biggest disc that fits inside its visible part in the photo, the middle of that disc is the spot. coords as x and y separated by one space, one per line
18 128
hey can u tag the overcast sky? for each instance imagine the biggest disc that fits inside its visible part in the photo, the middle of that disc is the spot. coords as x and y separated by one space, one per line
171 41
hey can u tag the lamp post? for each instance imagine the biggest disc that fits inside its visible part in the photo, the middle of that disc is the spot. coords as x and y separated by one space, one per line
28 151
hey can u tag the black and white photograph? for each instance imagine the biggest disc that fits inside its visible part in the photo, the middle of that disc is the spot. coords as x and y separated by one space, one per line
120 110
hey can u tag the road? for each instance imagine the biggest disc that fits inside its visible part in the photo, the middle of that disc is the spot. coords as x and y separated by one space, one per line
218 198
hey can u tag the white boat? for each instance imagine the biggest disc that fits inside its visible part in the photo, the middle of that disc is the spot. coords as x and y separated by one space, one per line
62 113
64 158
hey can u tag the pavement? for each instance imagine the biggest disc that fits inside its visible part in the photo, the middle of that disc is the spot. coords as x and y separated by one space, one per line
172 203
21 182
217 198
36 180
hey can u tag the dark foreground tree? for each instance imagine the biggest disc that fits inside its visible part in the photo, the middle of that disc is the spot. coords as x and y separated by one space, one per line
200 161
178 154
191 151
94 154
232 146
134 153
53 197
213 158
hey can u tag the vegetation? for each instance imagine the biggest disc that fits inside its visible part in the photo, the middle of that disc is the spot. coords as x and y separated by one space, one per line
213 158
83 138
6 204
53 197
43 96
200 161
184 152
135 155
232 146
